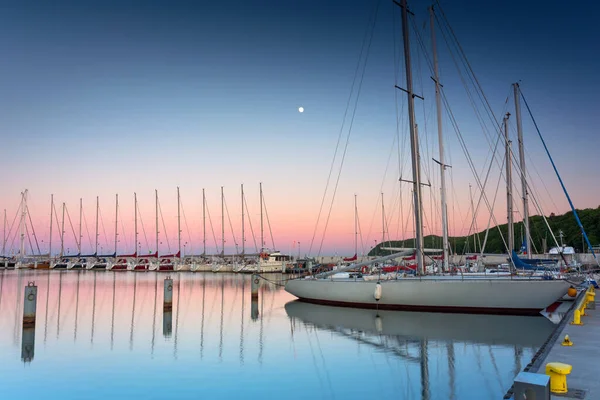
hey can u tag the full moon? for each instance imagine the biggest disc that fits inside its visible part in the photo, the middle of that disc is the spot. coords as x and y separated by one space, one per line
301 109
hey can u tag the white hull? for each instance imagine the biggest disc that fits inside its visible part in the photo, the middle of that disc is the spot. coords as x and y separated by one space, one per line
443 294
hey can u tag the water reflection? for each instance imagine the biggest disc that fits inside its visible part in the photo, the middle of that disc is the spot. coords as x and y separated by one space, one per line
216 340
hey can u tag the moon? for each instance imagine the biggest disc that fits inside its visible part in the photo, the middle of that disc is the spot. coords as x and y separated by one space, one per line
301 109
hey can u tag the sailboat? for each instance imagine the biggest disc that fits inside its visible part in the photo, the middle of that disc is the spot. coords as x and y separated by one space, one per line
459 293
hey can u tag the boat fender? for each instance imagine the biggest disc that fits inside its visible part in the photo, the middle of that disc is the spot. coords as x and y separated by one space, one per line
378 291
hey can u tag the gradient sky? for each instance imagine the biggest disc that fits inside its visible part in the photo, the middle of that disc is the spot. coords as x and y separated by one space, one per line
131 96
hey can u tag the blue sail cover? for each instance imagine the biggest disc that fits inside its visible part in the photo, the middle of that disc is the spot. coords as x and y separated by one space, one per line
533 263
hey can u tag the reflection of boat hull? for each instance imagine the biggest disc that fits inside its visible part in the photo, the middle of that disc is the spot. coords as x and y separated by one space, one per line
449 294
485 329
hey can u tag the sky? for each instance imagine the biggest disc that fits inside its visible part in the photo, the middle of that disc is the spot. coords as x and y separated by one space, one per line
124 97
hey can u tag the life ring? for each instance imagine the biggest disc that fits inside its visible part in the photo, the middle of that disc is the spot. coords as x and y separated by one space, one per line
364 269
256 281
170 288
30 297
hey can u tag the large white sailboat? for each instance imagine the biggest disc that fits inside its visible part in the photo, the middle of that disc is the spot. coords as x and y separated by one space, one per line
443 293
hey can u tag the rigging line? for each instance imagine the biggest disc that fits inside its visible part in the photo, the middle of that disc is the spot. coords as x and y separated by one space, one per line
143 230
70 223
103 228
575 214
29 240
123 232
162 218
250 223
87 228
268 222
401 145
33 231
230 227
374 16
482 247
186 226
12 226
349 132
468 64
469 160
212 229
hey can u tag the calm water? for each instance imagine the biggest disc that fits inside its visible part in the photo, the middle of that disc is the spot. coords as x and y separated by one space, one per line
102 335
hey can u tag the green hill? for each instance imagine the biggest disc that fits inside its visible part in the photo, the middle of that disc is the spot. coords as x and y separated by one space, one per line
590 218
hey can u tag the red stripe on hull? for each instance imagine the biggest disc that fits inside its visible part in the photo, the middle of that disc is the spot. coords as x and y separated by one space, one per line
140 268
440 309
166 268
119 268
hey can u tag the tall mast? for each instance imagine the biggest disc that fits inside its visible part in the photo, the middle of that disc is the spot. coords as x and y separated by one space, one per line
80 218
203 223
135 228
116 220
243 237
509 199
382 221
156 209
414 144
222 222
355 228
178 222
62 232
22 224
442 162
4 235
51 218
97 212
524 191
262 235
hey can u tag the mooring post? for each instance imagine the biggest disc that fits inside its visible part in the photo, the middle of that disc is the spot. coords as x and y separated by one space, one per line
167 322
29 305
255 286
168 297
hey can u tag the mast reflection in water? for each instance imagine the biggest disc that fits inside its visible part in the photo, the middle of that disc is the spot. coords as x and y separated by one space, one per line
216 341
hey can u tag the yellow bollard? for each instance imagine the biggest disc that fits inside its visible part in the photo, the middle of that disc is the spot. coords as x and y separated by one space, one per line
576 318
558 376
582 309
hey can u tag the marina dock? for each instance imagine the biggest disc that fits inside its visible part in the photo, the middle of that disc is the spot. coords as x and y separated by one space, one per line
582 355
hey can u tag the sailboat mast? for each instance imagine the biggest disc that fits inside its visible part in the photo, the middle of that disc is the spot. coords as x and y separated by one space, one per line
524 191
222 222
414 143
203 223
62 232
51 219
382 221
355 228
80 218
116 220
438 104
262 235
22 224
178 221
4 235
135 227
509 199
243 235
156 210
97 212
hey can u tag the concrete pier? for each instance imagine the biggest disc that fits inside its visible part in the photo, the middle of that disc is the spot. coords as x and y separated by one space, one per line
582 355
